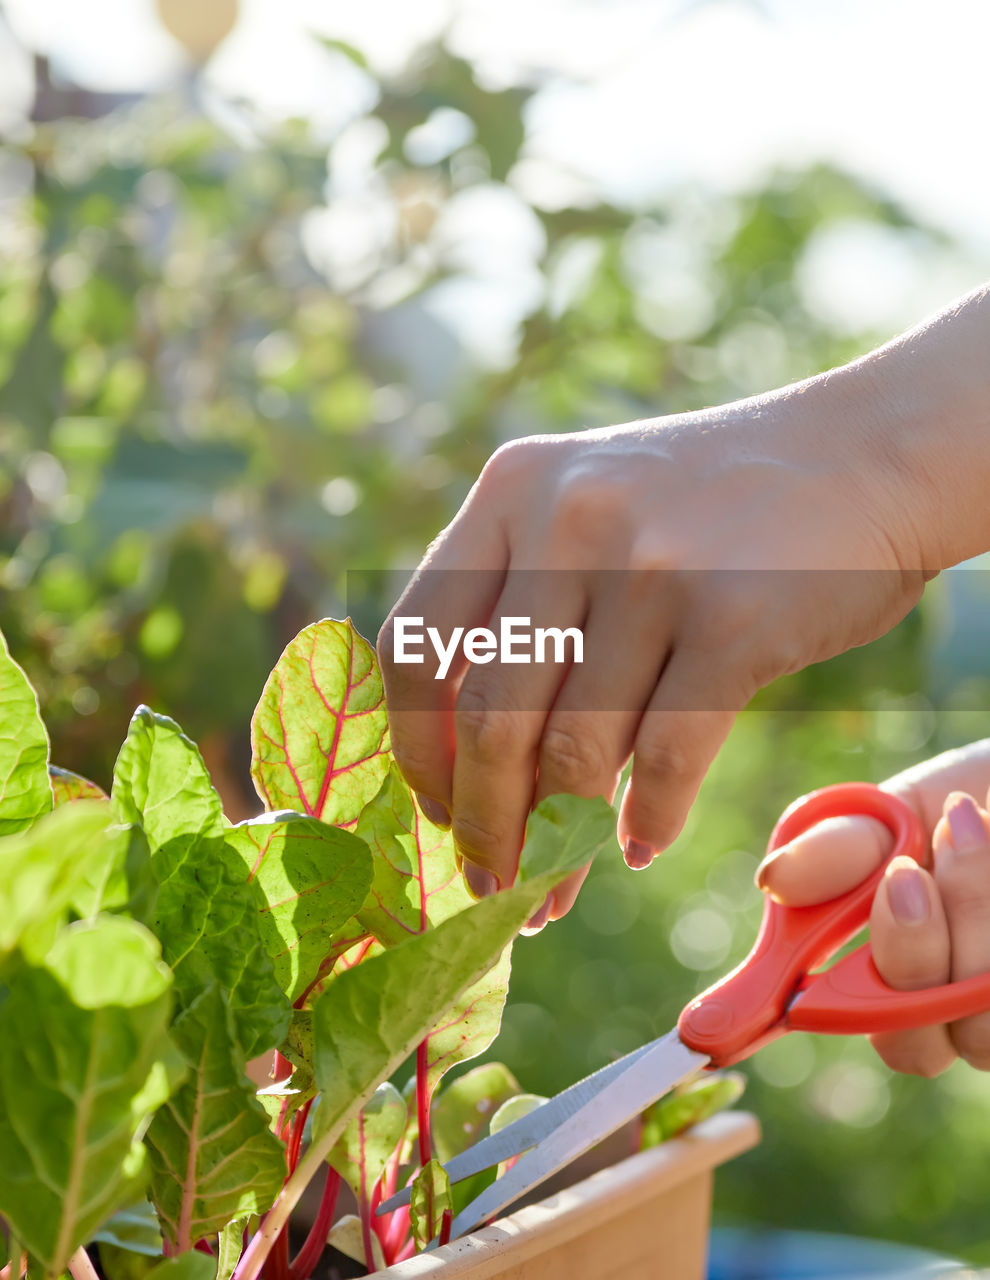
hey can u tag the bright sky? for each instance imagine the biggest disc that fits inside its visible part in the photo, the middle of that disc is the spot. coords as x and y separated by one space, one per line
644 94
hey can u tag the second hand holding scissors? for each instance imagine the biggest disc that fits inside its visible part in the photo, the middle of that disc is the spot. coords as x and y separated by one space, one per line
773 991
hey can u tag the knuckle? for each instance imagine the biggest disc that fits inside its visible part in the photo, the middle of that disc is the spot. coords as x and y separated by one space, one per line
661 757
570 757
589 506
416 764
479 836
487 733
509 462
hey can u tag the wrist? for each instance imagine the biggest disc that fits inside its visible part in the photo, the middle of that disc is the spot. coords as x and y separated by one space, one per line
923 404
907 428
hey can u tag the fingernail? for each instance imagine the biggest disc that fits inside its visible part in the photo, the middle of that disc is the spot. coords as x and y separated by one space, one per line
907 895
966 826
539 918
480 883
434 810
762 871
638 854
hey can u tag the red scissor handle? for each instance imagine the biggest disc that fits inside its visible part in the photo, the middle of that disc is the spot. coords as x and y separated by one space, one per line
774 990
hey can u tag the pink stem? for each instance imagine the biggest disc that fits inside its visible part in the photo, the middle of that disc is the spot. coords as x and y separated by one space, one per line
423 1103
407 1252
312 1249
398 1233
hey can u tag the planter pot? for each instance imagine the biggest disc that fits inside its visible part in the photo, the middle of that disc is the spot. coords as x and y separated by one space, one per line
645 1218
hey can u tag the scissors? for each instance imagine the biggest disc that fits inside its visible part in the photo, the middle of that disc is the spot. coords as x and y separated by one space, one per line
773 991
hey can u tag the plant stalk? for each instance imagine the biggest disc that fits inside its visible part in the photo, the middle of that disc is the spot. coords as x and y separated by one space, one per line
81 1266
314 1244
423 1103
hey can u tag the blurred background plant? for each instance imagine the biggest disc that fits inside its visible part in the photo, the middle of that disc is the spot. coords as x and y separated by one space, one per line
249 345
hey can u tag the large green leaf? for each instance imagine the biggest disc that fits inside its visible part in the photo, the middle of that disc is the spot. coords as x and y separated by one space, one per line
312 878
361 1152
417 883
205 914
83 1054
470 1026
43 869
25 792
319 733
371 1018
213 1156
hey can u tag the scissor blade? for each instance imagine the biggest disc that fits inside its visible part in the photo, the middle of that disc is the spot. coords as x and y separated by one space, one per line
662 1066
527 1131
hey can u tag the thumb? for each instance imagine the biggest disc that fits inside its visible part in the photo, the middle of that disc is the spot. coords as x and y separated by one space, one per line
825 861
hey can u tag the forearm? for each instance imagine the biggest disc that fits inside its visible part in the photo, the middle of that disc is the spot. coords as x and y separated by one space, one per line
925 401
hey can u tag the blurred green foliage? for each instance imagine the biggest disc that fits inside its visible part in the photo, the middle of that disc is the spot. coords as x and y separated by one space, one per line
210 412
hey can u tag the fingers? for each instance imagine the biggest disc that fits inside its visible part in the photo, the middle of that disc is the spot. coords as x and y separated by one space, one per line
825 861
962 874
834 856
681 732
911 945
457 586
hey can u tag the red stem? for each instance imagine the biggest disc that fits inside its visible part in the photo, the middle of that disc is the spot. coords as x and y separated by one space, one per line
379 1225
445 1221
204 1246
407 1252
296 1136
277 1262
398 1233
312 1249
423 1103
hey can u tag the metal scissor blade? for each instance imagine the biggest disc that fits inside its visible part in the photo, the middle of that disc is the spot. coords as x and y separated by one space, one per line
662 1065
527 1131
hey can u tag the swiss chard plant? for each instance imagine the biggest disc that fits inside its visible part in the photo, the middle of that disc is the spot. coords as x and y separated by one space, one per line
150 950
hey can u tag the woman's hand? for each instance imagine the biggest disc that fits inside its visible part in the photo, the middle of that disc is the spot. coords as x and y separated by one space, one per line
928 926
702 556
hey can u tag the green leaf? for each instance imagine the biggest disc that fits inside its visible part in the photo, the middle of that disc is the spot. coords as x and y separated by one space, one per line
43 869
319 733
68 786
688 1105
470 1026
430 1200
462 1112
212 1155
370 1018
230 1246
83 1052
205 914
190 1266
312 878
134 1228
361 1152
25 792
417 882
107 883
514 1109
